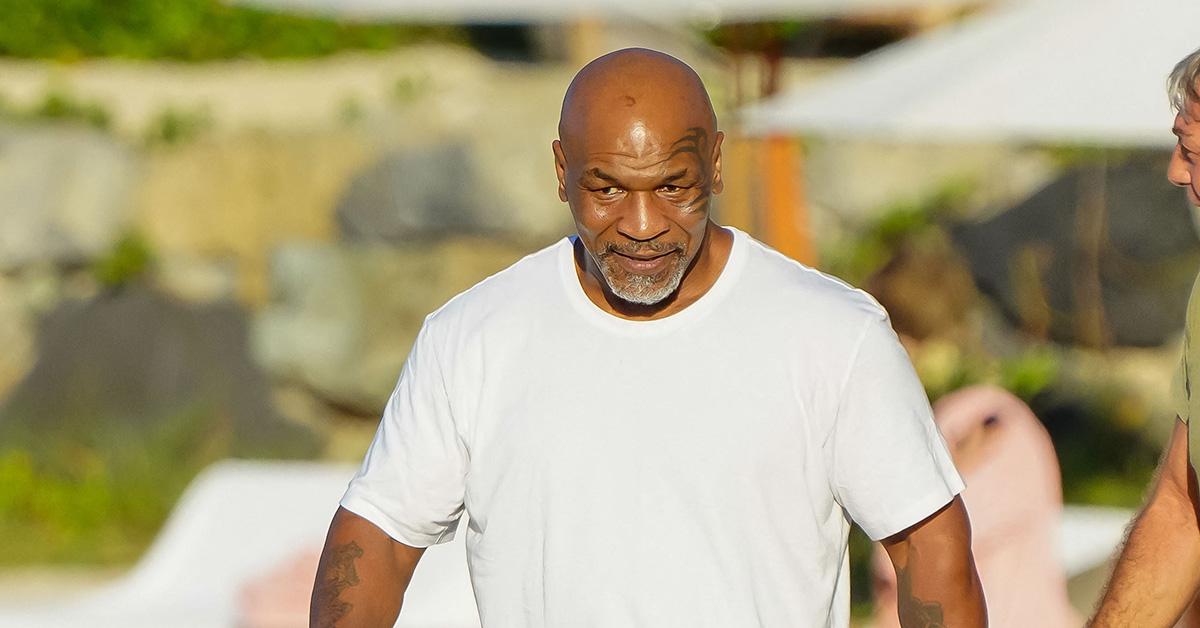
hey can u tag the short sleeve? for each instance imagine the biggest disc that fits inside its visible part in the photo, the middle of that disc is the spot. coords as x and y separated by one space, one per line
890 466
1180 401
1184 399
1181 384
412 481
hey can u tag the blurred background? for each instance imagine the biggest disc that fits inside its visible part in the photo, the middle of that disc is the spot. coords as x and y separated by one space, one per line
221 224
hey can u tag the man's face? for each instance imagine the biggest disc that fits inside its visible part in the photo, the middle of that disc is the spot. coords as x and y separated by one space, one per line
639 193
1184 170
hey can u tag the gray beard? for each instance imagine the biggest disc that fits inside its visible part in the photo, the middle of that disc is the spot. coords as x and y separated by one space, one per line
641 289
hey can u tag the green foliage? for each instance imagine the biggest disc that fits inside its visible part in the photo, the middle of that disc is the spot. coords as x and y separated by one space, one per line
1067 156
875 245
1112 489
176 126
99 502
188 30
945 367
862 601
351 111
760 37
1104 460
408 89
130 258
1030 373
59 105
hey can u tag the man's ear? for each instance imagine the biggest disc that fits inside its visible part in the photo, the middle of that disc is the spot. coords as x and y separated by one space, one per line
560 168
717 183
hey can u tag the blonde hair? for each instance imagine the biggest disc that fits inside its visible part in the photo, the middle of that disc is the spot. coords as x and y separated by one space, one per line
1181 85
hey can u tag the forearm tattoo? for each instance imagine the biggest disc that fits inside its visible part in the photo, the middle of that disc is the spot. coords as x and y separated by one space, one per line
337 576
915 613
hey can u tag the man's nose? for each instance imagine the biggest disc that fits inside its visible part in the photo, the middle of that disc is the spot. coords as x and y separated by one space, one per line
641 220
1178 171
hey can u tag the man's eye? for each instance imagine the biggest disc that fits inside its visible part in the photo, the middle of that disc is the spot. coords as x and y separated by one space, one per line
670 189
609 191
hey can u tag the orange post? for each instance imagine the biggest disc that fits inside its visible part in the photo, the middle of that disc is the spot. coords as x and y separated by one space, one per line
786 225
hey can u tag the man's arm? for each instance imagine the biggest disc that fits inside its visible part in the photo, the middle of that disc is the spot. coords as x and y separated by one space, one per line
936 582
1159 568
362 575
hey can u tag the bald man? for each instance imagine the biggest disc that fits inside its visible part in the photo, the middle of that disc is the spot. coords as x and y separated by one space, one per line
658 421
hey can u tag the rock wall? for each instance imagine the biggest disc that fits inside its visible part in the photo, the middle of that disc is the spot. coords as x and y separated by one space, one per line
343 317
64 194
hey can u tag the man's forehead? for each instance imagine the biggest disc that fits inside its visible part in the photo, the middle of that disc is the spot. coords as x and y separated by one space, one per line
640 138
611 167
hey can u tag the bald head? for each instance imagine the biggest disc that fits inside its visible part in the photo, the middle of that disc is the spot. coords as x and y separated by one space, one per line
634 84
638 160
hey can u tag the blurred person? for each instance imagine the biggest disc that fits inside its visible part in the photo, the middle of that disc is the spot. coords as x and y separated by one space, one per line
279 597
658 421
1014 499
1158 571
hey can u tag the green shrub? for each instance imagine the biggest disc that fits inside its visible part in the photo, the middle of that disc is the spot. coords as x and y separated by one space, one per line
873 246
176 126
58 104
351 111
1030 373
130 258
99 502
189 30
408 89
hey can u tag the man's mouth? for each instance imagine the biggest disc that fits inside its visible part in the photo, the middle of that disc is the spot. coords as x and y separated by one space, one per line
644 263
644 258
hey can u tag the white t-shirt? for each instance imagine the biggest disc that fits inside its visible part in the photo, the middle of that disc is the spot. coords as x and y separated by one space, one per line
696 470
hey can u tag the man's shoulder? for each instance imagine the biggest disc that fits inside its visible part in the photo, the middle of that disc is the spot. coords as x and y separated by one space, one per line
804 290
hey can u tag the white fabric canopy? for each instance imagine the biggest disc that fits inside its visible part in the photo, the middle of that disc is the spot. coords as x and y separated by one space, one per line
559 10
1051 71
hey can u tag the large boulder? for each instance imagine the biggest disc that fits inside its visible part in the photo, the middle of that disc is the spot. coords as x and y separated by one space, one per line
342 318
1031 258
417 192
64 194
25 296
132 371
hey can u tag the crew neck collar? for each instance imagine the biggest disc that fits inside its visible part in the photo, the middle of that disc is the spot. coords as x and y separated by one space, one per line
697 310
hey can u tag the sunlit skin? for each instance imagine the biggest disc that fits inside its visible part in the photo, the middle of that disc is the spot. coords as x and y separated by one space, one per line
1184 170
638 160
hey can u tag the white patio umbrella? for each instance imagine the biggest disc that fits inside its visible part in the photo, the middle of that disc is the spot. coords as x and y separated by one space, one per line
1049 71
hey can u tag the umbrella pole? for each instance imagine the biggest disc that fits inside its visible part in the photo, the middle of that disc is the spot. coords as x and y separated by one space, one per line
1091 231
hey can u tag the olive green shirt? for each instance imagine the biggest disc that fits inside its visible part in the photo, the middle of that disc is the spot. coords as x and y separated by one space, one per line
1185 389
